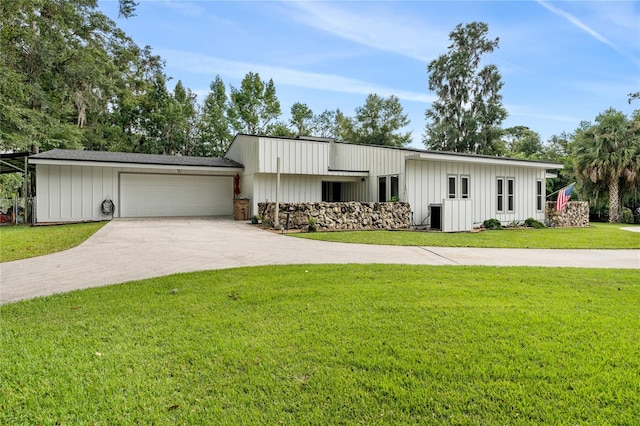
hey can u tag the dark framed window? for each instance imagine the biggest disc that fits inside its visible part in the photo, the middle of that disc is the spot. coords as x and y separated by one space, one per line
511 194
500 195
539 195
382 189
395 193
451 187
331 191
464 186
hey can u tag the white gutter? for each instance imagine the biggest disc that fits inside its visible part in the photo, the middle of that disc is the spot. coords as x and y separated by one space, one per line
230 170
483 160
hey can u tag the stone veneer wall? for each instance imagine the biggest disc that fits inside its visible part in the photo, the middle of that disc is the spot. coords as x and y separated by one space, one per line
340 216
575 214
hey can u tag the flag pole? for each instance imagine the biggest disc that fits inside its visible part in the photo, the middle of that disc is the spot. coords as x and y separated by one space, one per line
564 187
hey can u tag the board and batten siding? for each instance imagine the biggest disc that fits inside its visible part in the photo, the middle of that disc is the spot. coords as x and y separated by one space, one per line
296 157
70 193
293 189
427 184
73 193
244 150
378 161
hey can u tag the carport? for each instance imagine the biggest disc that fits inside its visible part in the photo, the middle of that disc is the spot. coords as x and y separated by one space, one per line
73 186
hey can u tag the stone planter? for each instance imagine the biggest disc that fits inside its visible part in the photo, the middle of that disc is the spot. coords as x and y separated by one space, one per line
340 216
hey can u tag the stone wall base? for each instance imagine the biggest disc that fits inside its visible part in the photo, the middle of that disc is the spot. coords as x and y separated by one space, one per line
340 216
575 214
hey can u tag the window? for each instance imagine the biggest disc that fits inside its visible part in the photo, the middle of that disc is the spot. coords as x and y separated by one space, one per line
464 186
331 191
382 189
394 189
539 198
510 191
451 187
388 188
500 192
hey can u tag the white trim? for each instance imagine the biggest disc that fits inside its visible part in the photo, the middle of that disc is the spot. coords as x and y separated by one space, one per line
220 170
483 160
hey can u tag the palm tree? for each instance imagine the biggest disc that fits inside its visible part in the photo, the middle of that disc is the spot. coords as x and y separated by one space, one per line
607 153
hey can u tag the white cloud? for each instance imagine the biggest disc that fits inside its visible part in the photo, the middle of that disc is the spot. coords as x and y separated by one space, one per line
575 21
208 65
372 25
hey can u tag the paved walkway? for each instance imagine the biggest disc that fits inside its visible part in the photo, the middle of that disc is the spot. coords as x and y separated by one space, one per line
126 250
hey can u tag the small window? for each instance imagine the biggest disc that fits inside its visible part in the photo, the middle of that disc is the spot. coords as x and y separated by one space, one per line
539 198
394 189
464 186
382 189
500 192
331 191
452 187
510 194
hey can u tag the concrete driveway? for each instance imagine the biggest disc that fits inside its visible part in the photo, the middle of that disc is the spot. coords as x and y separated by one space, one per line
126 250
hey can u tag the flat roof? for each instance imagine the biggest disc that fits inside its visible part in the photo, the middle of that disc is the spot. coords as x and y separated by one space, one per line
134 158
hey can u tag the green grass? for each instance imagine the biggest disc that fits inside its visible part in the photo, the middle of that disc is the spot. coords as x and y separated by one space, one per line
330 344
597 236
21 242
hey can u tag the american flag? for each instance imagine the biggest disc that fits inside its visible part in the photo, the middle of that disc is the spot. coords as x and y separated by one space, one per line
563 197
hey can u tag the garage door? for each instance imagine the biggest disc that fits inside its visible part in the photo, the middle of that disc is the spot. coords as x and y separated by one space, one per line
148 195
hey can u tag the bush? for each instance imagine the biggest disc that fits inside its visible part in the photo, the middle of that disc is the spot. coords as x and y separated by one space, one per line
492 224
627 215
637 215
312 224
533 223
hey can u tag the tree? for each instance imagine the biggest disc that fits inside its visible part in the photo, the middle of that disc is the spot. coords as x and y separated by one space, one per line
326 124
254 105
523 142
608 153
215 129
280 129
127 8
378 122
558 150
468 112
301 117
65 70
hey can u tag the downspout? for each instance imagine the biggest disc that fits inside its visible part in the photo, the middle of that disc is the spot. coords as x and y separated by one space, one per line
276 221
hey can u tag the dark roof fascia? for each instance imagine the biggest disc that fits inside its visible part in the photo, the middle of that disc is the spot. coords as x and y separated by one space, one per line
416 150
135 158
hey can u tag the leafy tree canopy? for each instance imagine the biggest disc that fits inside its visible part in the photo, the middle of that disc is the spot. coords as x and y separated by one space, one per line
378 122
607 155
468 112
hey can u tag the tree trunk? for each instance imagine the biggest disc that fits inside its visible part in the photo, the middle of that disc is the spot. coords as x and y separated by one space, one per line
614 201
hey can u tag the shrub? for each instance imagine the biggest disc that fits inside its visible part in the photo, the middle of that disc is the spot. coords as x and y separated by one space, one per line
492 224
637 215
627 215
312 224
533 223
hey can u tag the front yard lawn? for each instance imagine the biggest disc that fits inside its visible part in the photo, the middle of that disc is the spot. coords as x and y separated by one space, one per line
330 344
597 236
21 242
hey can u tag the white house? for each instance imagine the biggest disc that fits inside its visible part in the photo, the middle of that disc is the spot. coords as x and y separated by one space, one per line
448 191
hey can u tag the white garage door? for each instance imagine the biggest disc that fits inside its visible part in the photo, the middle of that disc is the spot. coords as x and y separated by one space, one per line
147 195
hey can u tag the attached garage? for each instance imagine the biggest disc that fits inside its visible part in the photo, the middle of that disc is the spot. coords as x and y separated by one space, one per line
152 195
71 186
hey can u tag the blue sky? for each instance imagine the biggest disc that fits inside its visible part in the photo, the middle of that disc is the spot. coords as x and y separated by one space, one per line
562 62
